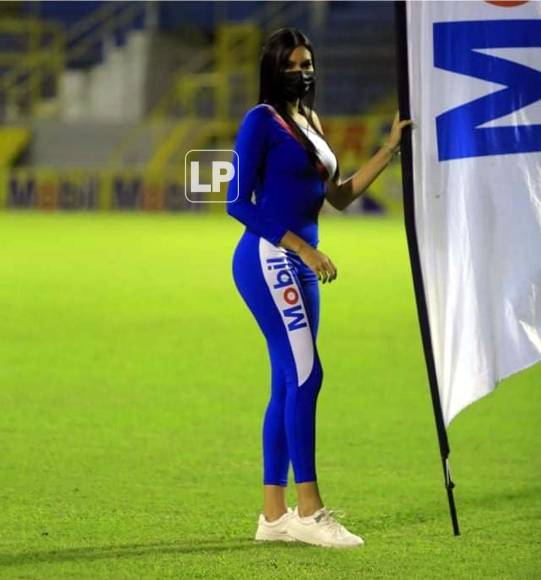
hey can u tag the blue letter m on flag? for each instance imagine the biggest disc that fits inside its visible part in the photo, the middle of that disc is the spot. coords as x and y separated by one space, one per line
454 50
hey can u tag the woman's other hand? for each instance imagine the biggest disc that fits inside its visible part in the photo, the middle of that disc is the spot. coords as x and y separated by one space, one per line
319 262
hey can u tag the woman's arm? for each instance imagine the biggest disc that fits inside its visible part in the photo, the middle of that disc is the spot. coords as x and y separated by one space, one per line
251 146
341 193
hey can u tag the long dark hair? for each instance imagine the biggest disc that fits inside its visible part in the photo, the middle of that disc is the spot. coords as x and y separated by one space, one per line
273 62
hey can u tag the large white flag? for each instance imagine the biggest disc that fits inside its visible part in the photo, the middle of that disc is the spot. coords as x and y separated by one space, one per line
475 97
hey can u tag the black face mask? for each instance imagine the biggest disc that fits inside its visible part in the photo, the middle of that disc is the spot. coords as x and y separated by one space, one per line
295 84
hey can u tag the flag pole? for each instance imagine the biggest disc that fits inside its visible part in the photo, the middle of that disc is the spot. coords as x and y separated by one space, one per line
409 220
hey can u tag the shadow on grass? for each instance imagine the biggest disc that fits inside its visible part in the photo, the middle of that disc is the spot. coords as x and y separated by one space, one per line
489 501
495 499
129 550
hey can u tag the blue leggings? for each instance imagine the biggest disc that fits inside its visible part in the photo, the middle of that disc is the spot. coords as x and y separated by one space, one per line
283 295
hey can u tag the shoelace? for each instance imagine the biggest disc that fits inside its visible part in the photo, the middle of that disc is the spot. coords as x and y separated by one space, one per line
328 519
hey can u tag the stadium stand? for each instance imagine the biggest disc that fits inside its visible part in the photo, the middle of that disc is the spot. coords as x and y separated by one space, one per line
123 87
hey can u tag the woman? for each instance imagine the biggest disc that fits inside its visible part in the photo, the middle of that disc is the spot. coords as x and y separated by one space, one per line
281 153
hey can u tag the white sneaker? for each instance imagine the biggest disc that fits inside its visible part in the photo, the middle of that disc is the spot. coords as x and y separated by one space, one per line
275 530
321 529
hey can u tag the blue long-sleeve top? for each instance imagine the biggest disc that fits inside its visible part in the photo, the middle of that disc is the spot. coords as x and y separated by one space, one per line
271 161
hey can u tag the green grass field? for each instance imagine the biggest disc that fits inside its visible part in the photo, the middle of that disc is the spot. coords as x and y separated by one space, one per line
133 386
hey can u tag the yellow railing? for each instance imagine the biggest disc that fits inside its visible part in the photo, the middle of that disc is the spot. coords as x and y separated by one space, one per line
235 53
232 50
96 26
13 140
21 83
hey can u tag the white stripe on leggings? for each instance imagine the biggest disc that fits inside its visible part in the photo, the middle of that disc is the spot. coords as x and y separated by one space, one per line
300 339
